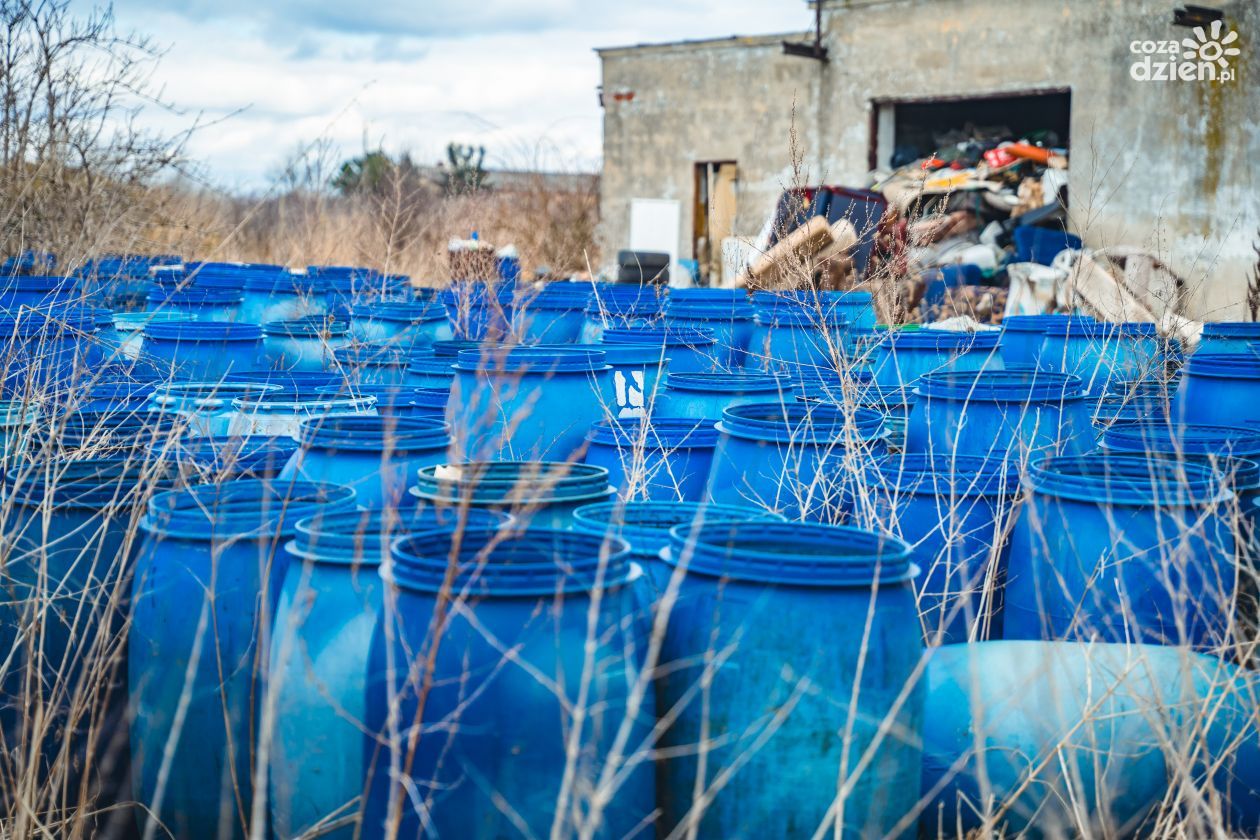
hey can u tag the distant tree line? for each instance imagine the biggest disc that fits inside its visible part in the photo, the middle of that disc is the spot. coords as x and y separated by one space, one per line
376 172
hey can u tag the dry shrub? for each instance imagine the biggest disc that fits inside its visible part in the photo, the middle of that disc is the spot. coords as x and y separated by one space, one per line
403 229
75 167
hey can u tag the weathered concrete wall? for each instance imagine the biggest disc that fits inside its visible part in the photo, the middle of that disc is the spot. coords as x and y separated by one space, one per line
668 107
1169 166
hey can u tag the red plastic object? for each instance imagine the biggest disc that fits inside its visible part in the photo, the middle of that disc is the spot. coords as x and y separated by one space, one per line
999 157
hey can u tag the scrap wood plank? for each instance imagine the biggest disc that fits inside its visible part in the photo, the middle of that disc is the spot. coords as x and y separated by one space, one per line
790 260
1112 300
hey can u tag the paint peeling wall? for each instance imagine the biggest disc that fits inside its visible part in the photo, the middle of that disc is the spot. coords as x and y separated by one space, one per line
1167 166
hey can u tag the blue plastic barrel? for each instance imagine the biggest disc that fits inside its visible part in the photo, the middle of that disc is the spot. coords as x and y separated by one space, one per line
374 456
707 395
304 344
1085 740
726 314
894 403
899 357
431 372
111 395
1219 389
553 313
1162 387
425 402
69 554
276 294
536 493
1228 337
857 309
201 350
616 305
646 526
526 403
345 286
28 262
799 721
110 338
205 406
795 460
1110 409
686 350
206 582
1042 245
1022 336
106 338
328 607
196 303
474 311
100 433
67 538
403 322
955 513
793 338
1126 401
45 348
373 364
215 275
1000 413
280 413
16 419
129 327
37 291
206 460
452 348
1188 440
397 400
1234 453
297 384
566 604
825 383
1100 352
634 383
1117 546
655 458
508 267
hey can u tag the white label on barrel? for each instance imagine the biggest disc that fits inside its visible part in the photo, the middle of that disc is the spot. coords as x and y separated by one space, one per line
629 394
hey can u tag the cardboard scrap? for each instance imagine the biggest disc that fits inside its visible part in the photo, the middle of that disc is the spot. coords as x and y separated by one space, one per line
791 263
1115 293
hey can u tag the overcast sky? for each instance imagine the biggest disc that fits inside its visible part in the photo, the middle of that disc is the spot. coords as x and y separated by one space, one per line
517 76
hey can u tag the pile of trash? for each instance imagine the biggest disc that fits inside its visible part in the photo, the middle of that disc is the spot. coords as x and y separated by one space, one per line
968 211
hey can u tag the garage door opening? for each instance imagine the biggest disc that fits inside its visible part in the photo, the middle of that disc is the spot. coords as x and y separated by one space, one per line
904 130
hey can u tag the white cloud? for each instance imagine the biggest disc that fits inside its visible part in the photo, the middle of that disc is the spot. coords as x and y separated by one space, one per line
512 75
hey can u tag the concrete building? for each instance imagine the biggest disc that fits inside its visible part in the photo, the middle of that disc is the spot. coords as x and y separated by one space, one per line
1167 165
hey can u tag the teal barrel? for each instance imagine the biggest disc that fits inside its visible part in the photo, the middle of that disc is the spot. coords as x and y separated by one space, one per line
795 460
788 682
1069 739
507 692
328 607
206 583
1116 546
526 403
538 493
375 456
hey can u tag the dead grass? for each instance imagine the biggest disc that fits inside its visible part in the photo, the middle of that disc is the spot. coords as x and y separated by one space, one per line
397 233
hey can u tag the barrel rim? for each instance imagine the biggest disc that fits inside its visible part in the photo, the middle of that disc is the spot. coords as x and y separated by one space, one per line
780 567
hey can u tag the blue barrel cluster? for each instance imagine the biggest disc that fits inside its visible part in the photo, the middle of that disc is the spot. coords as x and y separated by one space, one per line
333 555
